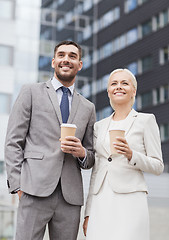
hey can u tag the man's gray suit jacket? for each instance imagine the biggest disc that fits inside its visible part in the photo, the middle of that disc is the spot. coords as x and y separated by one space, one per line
34 160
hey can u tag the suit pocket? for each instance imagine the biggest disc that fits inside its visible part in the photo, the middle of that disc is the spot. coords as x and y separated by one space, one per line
33 155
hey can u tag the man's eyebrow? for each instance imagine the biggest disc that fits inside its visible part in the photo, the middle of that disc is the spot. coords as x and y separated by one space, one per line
73 53
69 53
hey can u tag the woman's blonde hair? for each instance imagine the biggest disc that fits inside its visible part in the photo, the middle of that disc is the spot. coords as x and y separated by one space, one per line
134 81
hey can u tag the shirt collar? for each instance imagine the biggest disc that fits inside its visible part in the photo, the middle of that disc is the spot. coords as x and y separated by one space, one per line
56 84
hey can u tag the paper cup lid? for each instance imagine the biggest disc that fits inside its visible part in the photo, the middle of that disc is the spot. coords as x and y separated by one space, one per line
68 125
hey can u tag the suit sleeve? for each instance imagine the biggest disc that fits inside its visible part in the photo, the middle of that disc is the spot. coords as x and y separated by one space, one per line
93 176
152 161
88 142
17 130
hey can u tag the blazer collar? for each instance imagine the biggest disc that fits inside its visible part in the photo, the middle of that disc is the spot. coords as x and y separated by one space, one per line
129 122
53 97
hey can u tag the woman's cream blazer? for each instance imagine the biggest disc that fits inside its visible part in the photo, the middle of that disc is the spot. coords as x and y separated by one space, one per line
142 135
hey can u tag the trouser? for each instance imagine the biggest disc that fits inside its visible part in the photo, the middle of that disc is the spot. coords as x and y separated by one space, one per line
34 213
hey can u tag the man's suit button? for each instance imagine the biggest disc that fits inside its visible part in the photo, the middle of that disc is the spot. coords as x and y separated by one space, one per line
109 159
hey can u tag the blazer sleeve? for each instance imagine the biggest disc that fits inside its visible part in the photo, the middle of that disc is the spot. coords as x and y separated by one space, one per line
88 142
152 161
17 129
93 176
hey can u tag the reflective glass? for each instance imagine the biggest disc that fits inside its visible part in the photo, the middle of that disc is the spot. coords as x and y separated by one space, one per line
116 13
107 19
166 131
146 28
5 103
133 67
87 5
166 92
6 9
147 99
166 54
165 17
147 63
107 49
6 55
132 36
131 5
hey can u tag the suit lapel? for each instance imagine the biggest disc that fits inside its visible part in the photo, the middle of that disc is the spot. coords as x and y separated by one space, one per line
104 130
130 120
53 97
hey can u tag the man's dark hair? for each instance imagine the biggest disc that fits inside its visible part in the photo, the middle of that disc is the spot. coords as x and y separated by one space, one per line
66 42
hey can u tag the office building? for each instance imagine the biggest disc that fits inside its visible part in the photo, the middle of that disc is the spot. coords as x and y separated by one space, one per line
19 52
114 34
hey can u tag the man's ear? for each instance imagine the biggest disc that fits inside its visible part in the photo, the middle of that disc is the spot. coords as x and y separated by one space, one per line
53 63
80 65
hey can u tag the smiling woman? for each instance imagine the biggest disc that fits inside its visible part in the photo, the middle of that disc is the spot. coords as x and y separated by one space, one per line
122 87
116 206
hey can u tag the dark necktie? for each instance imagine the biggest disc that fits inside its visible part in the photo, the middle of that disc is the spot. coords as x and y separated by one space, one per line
64 105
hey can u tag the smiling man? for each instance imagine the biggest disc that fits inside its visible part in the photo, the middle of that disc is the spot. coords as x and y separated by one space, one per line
44 172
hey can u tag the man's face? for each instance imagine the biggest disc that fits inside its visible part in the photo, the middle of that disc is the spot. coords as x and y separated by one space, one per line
66 64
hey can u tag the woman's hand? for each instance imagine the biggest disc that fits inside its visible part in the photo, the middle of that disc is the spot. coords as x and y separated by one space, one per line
19 194
85 223
122 147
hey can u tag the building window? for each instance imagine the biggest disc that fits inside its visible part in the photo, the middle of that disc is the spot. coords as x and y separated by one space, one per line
146 99
44 63
87 32
46 32
146 28
147 63
87 61
69 17
123 41
7 9
166 131
87 5
156 23
116 13
166 92
156 96
165 17
107 111
133 67
130 5
105 81
5 100
86 90
164 55
6 55
132 36
107 19
107 50
60 24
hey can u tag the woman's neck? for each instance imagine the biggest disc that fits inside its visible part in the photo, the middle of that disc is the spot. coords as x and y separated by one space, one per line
121 113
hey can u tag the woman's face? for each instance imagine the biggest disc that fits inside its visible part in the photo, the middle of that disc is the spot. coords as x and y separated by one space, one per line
121 89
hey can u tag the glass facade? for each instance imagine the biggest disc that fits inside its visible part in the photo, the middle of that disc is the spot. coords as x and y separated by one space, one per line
7 9
5 103
6 55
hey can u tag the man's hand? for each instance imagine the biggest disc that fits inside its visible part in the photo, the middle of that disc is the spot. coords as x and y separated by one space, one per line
73 146
19 194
